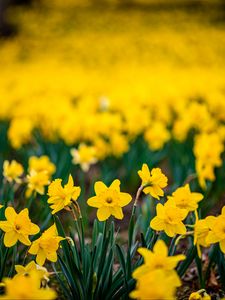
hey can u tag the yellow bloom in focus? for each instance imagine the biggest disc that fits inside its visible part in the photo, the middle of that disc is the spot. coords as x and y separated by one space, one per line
26 287
153 181
84 156
46 246
12 171
61 197
217 233
40 164
200 295
32 266
109 200
17 227
169 218
37 182
184 198
157 285
157 259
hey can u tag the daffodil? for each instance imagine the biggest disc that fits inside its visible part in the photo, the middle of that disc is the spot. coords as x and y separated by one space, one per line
156 135
32 266
109 200
157 285
37 182
46 246
169 218
12 171
62 197
17 227
157 259
201 232
26 287
217 233
153 182
184 198
40 164
199 295
85 156
207 157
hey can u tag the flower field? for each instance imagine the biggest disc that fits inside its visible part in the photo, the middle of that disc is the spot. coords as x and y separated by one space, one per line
112 150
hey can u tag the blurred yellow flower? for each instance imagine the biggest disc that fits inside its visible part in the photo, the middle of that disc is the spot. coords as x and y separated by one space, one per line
20 131
153 182
207 156
156 135
169 218
12 171
109 200
217 233
85 156
17 227
40 164
157 259
184 198
32 266
46 246
36 182
61 197
157 285
26 287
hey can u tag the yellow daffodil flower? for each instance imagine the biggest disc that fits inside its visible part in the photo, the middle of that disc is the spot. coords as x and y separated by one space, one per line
85 156
109 200
26 287
153 182
17 227
46 246
12 171
217 233
61 197
201 231
37 182
157 285
40 164
32 266
184 198
199 295
169 218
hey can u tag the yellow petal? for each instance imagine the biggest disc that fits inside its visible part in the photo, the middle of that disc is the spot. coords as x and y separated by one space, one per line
10 214
125 199
34 229
115 185
41 257
10 238
24 239
157 224
161 248
99 187
6 226
94 202
52 256
117 212
103 213
34 248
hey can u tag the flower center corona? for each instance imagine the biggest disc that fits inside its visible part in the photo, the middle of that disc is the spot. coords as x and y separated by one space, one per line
109 200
